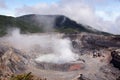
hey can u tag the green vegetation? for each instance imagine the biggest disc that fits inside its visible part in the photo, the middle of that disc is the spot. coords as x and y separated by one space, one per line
27 24
8 22
67 30
22 77
27 76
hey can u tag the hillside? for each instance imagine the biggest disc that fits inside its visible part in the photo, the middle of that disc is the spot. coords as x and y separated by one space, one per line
39 23
10 22
59 22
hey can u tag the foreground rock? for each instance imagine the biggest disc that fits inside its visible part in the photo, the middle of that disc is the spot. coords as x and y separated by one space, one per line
116 58
11 61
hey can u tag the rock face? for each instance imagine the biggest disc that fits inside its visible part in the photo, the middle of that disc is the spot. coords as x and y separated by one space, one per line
11 61
98 47
94 41
118 78
116 58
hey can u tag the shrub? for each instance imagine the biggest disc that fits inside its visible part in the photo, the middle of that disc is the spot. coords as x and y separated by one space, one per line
26 76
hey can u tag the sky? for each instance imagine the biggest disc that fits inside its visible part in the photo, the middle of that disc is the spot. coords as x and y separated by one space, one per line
103 15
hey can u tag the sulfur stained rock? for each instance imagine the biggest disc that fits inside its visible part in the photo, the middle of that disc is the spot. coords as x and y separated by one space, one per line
60 67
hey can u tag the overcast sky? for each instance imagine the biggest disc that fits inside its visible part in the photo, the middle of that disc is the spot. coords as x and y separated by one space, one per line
100 14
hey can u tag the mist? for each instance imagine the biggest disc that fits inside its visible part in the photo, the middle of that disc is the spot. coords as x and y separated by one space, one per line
62 52
46 22
42 47
82 11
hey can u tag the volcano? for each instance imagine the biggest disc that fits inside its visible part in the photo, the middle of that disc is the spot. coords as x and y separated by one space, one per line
63 47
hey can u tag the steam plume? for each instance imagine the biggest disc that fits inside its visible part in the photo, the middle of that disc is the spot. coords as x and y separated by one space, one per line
47 47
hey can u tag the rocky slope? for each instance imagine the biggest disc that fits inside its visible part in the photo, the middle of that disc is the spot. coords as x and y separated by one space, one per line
98 60
11 61
103 47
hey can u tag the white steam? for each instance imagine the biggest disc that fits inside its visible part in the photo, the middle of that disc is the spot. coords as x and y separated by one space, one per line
46 22
62 52
44 47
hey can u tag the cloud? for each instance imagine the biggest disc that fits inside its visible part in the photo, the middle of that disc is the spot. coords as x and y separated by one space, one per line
77 10
118 21
2 4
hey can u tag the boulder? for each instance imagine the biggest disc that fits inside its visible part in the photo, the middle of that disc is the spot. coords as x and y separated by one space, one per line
116 58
